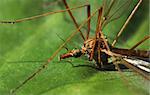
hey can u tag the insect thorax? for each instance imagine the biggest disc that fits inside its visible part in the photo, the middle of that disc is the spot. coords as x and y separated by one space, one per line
95 44
90 45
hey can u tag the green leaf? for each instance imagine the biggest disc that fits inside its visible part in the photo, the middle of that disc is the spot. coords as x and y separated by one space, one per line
37 40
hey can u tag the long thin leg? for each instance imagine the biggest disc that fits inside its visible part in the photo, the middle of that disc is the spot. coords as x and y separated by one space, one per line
38 16
74 20
44 65
53 55
110 7
100 37
125 24
140 42
89 22
96 33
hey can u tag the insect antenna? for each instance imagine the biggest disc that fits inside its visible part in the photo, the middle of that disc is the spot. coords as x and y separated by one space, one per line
62 40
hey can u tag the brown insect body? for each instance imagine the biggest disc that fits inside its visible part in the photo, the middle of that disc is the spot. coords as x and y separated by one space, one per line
87 50
136 53
96 48
89 44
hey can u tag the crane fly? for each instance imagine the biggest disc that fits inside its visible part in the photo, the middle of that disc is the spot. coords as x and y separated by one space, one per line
97 47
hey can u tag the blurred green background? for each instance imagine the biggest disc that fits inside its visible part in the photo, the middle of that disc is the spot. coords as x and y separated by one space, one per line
38 39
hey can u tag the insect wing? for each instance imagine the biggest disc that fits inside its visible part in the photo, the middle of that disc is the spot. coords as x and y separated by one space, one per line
143 65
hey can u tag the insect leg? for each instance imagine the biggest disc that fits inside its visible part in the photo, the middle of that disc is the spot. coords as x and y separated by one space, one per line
89 25
37 16
74 20
96 33
125 24
140 42
53 55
